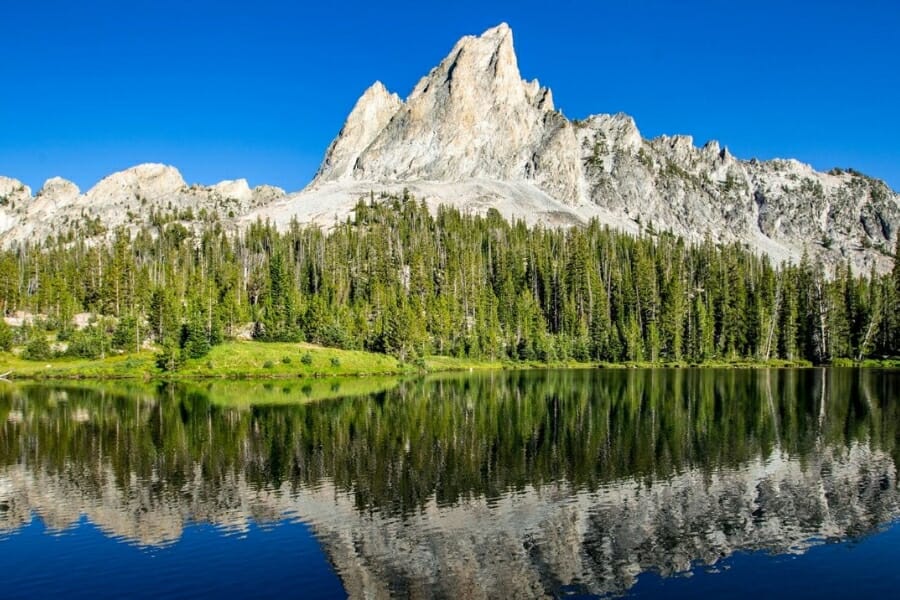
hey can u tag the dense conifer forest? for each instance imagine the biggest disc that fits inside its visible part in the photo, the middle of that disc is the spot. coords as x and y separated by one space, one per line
397 279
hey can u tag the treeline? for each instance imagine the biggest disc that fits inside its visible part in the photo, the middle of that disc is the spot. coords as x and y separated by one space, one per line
396 279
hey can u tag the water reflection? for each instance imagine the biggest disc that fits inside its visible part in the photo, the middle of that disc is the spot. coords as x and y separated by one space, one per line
496 485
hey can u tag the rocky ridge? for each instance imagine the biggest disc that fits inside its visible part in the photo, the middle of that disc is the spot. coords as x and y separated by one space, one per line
129 198
473 134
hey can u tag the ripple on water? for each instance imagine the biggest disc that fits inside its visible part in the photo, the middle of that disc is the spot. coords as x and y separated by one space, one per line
470 490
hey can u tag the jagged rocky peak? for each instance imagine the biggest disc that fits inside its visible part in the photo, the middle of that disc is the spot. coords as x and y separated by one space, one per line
372 112
472 116
479 64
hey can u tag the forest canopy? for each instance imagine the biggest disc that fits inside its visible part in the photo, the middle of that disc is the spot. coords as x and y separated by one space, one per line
397 279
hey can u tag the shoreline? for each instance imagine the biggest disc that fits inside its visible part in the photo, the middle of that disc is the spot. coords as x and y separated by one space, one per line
298 361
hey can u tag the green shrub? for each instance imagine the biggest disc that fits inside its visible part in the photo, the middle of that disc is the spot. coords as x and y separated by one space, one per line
335 362
268 364
86 343
38 348
286 360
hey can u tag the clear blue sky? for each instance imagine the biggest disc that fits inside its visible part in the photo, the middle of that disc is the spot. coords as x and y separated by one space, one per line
258 89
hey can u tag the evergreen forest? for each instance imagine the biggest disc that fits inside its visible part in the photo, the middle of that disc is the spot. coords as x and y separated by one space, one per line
397 279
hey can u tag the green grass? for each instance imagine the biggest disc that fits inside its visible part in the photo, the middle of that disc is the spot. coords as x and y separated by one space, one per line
130 366
228 360
264 360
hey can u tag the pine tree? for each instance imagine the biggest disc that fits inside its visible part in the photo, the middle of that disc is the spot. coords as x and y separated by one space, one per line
195 338
6 336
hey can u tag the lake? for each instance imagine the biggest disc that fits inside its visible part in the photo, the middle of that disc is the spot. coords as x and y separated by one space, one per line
517 484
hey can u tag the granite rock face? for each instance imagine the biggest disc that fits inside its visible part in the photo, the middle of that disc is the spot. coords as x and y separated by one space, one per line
472 129
471 117
131 198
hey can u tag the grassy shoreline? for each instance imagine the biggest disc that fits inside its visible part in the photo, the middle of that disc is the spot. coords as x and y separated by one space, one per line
263 360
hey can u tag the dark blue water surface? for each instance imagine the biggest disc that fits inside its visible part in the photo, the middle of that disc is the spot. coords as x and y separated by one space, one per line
675 484
85 562
854 569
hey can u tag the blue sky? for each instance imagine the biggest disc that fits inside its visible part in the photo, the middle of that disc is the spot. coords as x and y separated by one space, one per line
258 89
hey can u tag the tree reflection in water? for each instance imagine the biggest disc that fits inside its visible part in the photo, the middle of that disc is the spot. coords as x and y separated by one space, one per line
497 484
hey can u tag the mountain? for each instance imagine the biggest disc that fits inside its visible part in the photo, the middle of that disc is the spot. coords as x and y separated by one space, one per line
134 197
473 134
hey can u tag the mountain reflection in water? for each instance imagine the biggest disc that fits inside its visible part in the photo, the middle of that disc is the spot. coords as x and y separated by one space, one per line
508 484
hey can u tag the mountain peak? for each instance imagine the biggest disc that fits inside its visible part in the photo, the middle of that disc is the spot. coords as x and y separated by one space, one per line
56 191
375 104
148 179
487 60
237 189
470 116
369 116
500 30
375 91
495 43
56 186
496 38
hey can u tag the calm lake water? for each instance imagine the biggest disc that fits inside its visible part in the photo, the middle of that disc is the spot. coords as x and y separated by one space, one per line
567 484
